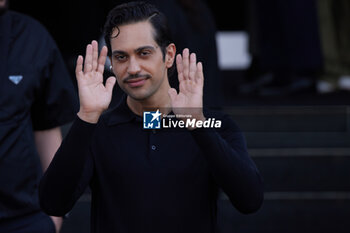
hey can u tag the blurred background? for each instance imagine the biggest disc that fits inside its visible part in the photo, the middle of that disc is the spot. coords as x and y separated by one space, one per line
281 69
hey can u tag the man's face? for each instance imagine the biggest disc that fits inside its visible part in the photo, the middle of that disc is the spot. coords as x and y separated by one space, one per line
138 61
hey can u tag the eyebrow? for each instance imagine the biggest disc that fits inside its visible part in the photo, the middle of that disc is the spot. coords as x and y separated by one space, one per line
136 50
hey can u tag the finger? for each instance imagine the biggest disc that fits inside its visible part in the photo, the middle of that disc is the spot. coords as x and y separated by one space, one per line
110 84
199 73
88 59
185 62
193 67
79 66
172 93
94 54
102 59
179 67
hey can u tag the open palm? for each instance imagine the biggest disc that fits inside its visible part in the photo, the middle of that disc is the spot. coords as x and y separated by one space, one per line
189 100
94 96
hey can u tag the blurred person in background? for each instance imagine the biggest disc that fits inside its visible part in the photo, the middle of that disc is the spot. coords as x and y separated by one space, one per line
334 17
285 47
193 26
36 98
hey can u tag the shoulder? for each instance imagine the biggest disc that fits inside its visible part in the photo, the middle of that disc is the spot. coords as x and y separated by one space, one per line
220 115
25 29
227 125
229 129
40 47
25 23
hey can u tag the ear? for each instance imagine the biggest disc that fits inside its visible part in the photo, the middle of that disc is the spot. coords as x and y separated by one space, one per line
170 55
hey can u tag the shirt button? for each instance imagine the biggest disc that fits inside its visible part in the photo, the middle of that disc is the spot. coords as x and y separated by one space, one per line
153 147
153 131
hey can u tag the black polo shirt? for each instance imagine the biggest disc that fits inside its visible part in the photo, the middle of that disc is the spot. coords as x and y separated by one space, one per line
36 93
152 181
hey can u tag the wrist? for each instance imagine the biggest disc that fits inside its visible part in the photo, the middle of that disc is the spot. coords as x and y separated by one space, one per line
90 117
199 117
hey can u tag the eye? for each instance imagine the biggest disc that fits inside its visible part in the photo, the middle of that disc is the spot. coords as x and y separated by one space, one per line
144 53
120 58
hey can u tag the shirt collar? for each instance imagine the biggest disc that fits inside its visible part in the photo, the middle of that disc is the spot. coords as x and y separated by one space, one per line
121 114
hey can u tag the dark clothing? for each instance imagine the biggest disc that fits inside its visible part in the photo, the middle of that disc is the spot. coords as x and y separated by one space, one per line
285 36
36 93
33 223
162 180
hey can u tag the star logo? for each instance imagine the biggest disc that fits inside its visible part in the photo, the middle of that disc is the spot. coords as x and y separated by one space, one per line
151 120
156 115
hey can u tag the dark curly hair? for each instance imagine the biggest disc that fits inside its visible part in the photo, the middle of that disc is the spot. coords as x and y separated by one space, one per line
133 12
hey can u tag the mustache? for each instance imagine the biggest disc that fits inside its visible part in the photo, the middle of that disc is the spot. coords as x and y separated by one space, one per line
134 76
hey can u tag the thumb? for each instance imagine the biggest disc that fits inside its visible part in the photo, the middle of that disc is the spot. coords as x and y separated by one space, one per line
172 93
110 83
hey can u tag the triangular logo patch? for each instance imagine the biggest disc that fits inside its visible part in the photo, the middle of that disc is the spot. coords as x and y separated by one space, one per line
15 78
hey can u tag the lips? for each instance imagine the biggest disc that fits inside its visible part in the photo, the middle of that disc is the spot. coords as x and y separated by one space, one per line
136 82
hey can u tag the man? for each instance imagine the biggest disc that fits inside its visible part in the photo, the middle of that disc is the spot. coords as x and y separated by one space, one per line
163 180
189 22
36 97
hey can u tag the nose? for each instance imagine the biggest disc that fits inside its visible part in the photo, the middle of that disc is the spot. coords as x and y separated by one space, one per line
134 66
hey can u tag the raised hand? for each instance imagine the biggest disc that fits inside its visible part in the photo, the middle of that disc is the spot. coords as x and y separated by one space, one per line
94 96
189 100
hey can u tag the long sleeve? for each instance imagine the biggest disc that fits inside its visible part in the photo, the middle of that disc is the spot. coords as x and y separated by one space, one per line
69 172
231 166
